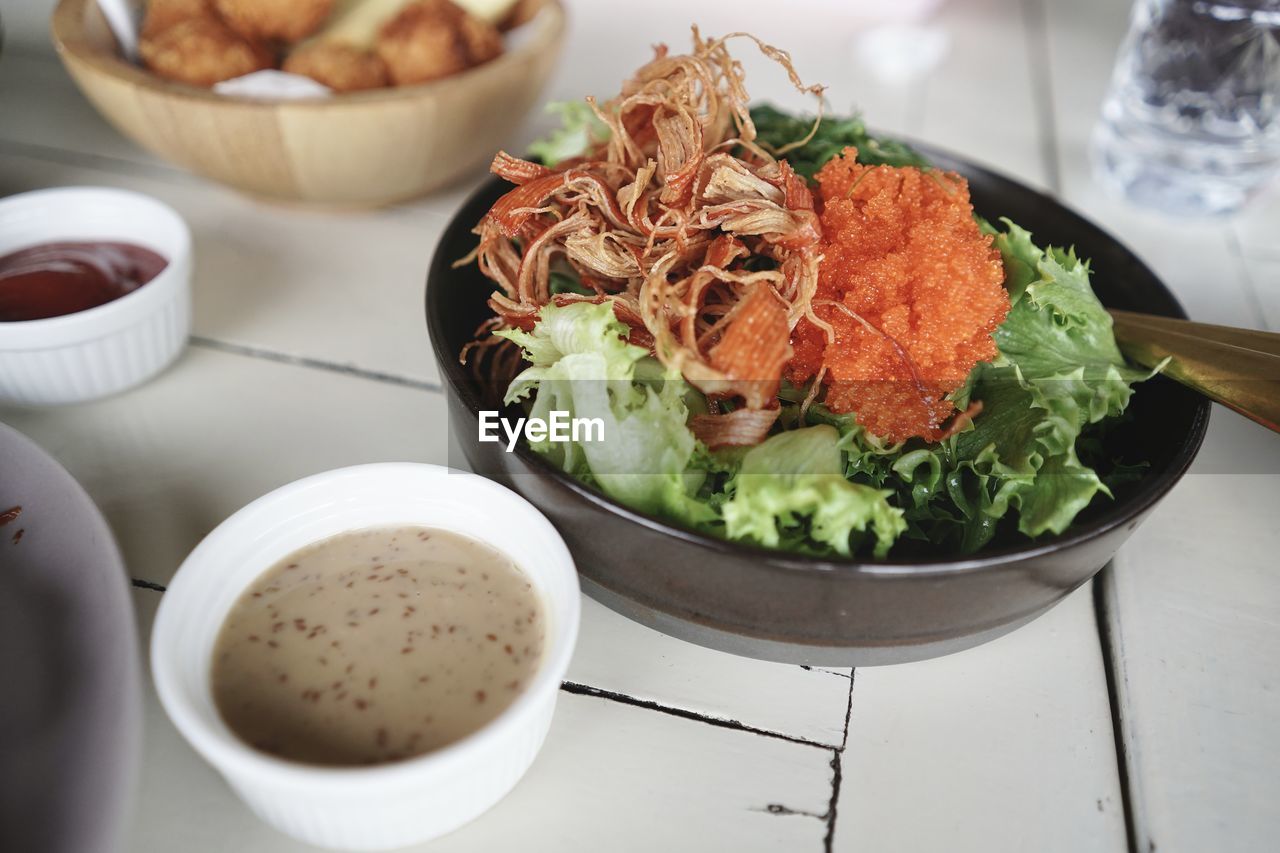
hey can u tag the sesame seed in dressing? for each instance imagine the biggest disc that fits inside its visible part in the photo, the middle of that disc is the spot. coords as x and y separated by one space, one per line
438 669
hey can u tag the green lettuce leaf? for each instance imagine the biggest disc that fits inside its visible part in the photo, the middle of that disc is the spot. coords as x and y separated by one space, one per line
775 129
924 481
1059 371
792 485
1057 323
580 130
581 364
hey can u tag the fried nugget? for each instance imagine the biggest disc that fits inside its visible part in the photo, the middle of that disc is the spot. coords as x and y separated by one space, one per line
341 67
274 20
163 14
430 39
201 52
483 40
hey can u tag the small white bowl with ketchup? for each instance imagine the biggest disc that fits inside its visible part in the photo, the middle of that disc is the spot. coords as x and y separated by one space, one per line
95 293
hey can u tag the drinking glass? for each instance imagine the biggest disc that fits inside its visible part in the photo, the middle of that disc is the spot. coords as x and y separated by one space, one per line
1191 123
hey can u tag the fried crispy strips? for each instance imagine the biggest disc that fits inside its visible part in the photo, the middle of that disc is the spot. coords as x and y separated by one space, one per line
707 244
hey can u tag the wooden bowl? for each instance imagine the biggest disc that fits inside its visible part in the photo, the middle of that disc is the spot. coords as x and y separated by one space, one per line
362 149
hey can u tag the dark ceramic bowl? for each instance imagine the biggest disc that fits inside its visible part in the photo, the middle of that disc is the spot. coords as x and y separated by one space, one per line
778 606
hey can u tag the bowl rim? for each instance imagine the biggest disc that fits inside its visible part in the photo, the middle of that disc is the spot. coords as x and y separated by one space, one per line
66 31
232 755
101 319
1151 491
106 581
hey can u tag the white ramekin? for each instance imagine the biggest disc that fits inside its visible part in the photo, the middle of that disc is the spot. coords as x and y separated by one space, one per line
391 805
112 347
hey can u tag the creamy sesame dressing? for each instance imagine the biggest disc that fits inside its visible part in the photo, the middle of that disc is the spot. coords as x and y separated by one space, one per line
375 646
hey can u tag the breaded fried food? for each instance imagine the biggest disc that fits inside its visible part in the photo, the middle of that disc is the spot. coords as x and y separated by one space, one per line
430 39
202 51
163 14
274 20
482 38
341 67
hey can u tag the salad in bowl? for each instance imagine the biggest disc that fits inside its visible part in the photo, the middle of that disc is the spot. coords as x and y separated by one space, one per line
795 334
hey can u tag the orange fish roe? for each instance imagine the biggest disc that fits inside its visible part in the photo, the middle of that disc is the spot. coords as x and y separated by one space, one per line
912 289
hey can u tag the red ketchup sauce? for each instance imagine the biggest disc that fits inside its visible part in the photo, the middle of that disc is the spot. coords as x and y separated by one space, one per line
54 279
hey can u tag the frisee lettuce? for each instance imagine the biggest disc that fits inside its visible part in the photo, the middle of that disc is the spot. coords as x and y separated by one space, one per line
581 364
774 128
793 485
1059 370
580 130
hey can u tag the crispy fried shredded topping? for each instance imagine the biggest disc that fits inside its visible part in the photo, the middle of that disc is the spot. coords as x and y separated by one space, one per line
880 295
707 244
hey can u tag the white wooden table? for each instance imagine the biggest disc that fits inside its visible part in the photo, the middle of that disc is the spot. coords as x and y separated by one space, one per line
1141 714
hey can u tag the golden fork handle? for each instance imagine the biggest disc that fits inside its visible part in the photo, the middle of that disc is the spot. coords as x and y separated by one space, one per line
1239 368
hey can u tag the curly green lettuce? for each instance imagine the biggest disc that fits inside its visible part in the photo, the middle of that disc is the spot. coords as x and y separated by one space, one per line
792 486
581 364
1059 371
580 130
774 128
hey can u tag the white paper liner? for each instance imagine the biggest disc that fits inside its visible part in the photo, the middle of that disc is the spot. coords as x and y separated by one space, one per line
274 85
